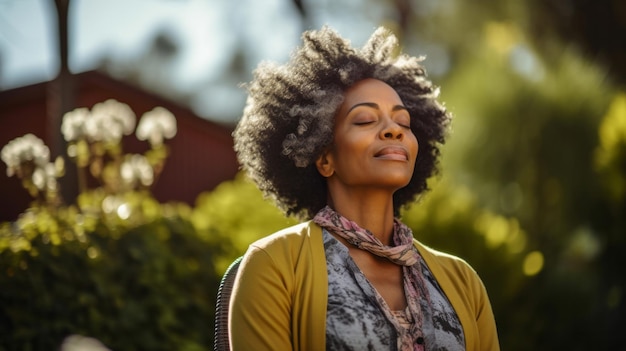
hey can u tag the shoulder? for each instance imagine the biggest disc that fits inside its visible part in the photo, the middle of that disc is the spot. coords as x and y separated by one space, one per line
441 258
289 236
289 244
449 267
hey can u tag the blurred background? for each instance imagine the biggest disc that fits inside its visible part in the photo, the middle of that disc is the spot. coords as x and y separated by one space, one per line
532 191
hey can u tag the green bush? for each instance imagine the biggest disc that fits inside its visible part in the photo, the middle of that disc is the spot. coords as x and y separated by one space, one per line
234 215
117 266
145 287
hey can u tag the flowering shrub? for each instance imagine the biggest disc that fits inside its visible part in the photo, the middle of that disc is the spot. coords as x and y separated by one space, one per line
157 125
94 138
29 159
117 265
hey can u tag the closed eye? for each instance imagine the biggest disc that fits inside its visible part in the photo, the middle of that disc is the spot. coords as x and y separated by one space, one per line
404 122
403 119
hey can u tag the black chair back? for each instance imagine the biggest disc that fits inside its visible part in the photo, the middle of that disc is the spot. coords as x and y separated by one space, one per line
221 342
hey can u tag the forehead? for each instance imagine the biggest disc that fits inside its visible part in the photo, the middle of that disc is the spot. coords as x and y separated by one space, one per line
371 90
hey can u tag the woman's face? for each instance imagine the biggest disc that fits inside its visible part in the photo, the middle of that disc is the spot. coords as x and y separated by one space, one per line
373 143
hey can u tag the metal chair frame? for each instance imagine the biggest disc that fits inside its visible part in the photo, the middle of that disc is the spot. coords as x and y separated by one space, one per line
221 342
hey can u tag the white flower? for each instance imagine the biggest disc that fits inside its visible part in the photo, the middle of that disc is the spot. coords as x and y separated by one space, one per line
74 124
109 121
136 169
27 148
45 177
156 125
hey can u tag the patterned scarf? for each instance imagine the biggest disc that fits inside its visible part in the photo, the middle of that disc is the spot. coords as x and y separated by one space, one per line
404 254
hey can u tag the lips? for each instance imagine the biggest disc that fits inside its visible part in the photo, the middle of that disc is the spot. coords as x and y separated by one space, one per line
392 153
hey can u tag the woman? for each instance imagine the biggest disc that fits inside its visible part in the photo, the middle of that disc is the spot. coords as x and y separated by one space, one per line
343 138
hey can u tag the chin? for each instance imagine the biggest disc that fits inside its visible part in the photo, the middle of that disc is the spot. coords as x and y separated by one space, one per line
397 183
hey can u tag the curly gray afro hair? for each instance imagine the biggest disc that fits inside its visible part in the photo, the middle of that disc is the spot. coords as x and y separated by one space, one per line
289 115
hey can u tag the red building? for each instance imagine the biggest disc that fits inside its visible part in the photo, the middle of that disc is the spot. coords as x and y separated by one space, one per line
201 153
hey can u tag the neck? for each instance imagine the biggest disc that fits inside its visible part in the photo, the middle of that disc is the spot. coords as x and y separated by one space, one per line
371 210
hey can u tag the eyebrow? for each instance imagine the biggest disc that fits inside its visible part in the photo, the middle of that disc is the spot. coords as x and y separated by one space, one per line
375 106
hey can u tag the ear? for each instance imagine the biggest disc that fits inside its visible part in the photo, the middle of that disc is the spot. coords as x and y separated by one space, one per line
324 164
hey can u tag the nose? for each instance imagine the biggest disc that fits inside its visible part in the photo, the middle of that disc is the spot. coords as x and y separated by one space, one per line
391 130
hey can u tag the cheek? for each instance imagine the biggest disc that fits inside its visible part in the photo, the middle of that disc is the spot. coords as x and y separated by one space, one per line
414 145
352 143
349 152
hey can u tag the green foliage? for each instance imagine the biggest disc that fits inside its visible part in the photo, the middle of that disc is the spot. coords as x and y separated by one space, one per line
234 215
612 149
531 145
133 286
117 266
610 220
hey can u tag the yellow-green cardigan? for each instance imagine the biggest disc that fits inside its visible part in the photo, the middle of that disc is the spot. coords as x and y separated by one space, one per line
280 294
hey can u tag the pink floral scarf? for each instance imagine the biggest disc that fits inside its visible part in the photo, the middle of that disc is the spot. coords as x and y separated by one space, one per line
403 253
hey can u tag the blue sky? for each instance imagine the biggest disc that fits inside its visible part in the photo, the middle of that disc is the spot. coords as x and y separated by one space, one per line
98 28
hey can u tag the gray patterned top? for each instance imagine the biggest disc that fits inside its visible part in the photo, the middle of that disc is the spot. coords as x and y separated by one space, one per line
355 321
